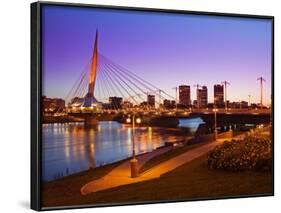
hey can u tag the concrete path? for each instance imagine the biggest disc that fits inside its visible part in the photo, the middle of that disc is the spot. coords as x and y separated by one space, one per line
175 162
121 174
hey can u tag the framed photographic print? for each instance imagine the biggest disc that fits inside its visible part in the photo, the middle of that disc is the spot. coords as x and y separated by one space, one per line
137 106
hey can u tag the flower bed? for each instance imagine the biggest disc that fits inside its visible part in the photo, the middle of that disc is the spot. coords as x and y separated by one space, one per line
252 153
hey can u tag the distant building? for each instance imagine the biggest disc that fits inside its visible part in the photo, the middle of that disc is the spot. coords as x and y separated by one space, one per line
210 105
53 105
85 104
218 95
244 104
127 104
238 105
184 95
202 97
195 103
253 106
115 102
143 104
169 104
151 101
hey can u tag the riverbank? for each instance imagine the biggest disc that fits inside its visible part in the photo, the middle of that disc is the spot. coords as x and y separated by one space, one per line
59 188
190 181
60 119
153 121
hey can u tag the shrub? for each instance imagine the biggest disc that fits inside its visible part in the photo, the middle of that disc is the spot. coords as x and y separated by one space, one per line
251 153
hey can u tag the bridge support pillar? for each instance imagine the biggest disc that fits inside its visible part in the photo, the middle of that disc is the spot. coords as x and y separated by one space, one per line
91 121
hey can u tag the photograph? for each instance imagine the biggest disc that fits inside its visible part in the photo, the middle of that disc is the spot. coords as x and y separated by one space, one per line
148 106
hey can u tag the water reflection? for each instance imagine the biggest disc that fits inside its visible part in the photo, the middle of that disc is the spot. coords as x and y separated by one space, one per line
70 147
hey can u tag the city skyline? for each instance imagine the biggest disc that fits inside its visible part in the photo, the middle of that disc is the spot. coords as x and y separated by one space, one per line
66 50
182 101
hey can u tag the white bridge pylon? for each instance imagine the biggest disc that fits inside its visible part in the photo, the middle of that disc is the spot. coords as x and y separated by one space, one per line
89 102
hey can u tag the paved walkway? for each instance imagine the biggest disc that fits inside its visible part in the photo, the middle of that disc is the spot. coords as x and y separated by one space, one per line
121 174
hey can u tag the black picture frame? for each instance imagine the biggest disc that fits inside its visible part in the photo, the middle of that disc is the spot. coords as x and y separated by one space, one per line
36 91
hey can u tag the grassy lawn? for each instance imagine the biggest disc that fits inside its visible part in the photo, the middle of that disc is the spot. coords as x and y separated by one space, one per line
66 190
192 180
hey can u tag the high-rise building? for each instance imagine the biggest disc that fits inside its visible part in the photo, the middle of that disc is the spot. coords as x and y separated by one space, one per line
169 104
115 102
127 104
218 95
151 100
202 97
184 95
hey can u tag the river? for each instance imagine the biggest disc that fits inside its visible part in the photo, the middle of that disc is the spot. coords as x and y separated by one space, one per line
69 148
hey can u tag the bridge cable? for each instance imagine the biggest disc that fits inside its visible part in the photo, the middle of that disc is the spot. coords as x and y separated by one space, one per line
124 82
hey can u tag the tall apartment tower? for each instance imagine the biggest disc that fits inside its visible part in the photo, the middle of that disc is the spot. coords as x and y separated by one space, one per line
218 95
202 97
184 95
151 100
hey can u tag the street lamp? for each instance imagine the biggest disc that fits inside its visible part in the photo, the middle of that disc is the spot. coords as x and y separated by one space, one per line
138 120
128 120
134 161
215 124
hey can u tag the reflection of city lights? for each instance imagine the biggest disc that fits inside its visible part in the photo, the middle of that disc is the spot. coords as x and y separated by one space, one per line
67 149
150 136
92 133
129 136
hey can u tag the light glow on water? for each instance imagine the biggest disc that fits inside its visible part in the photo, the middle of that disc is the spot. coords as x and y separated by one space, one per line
69 148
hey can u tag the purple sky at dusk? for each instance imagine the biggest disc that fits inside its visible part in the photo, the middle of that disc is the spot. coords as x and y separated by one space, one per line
165 49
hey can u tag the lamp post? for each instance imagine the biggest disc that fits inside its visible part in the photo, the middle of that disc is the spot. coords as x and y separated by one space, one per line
134 161
249 103
215 124
176 99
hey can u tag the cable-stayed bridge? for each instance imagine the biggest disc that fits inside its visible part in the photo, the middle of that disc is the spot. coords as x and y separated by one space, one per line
104 84
103 81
